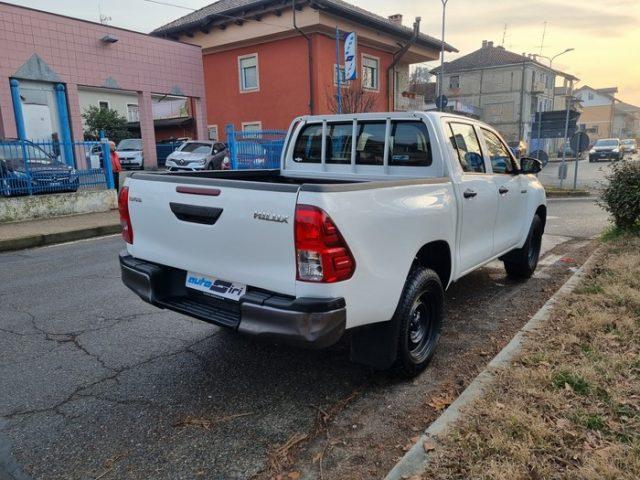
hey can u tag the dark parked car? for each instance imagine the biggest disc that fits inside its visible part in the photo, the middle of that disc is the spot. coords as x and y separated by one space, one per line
26 168
606 149
567 151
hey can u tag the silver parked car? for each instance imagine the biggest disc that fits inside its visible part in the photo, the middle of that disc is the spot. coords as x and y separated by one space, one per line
130 154
199 155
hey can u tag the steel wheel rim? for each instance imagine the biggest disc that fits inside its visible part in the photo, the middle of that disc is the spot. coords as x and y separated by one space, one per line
421 327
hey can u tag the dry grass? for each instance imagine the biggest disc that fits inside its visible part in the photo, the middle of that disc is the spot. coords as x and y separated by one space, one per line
569 408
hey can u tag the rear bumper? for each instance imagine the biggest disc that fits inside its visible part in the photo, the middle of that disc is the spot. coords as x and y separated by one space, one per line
605 155
307 322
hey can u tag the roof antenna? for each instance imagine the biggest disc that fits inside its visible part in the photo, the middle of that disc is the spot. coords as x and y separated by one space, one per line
504 34
104 19
544 31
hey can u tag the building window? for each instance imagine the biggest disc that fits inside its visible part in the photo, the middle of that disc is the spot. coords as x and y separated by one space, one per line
454 81
133 114
248 69
103 105
249 127
370 72
590 96
213 132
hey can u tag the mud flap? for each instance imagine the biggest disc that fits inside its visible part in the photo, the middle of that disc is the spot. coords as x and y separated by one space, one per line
376 345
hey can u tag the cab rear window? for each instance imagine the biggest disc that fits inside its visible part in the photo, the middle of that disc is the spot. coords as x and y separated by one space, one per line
408 145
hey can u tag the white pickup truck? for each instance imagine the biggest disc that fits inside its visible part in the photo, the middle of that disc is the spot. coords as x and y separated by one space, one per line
369 218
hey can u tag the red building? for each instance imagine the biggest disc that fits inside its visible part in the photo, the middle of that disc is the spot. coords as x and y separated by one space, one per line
265 64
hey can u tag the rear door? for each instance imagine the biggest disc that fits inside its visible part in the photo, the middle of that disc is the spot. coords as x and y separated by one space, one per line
477 202
237 231
510 191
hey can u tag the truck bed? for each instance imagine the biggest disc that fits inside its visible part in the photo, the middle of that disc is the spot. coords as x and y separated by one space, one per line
275 180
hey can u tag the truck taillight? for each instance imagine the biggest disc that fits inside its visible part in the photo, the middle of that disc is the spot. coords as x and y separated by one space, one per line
322 255
125 219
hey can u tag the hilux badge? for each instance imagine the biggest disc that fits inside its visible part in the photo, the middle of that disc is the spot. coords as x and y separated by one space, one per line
270 217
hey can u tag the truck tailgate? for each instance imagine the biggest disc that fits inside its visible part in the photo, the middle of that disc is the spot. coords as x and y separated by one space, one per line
251 242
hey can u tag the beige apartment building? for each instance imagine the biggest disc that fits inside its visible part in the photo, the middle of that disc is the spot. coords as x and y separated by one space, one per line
605 116
506 88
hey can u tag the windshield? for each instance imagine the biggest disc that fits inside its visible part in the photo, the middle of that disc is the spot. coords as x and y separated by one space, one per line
628 142
606 143
195 147
130 144
14 151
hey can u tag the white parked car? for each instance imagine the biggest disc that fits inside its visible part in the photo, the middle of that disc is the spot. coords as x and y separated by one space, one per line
369 219
199 155
129 152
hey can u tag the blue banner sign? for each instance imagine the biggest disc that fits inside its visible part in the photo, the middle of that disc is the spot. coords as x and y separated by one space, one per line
350 57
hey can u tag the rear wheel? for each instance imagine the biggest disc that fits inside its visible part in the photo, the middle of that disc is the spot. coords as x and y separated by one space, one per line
419 316
522 262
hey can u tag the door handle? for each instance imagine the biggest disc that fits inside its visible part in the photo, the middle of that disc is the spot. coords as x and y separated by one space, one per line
468 193
503 190
195 213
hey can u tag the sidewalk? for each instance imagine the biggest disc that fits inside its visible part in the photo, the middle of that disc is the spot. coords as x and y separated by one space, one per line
36 233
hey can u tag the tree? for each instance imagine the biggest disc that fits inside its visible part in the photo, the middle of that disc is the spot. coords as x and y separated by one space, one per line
419 76
98 119
355 99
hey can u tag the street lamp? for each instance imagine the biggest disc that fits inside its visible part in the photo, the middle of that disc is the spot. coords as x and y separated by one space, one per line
444 10
555 56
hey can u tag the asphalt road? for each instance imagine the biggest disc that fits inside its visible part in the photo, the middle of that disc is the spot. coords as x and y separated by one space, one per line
94 383
590 175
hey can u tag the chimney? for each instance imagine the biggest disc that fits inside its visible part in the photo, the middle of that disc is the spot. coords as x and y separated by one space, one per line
484 43
397 18
490 44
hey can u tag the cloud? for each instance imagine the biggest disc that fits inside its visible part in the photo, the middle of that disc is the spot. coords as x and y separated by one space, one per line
599 20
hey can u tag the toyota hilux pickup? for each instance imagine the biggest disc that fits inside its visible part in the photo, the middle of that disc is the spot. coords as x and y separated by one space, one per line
369 218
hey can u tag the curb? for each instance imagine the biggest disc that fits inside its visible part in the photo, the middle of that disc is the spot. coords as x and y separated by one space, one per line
568 194
415 460
58 237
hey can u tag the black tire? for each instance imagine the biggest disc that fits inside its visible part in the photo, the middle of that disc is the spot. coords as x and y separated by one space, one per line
419 315
522 262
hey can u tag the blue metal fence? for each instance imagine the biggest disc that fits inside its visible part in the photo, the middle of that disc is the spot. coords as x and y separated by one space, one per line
163 150
255 148
34 167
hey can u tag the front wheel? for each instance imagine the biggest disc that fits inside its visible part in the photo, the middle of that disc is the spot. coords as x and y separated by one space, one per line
419 316
522 262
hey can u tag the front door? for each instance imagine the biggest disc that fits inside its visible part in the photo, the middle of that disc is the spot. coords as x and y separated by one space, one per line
510 190
477 201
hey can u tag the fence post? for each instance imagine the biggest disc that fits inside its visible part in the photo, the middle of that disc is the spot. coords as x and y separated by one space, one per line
233 146
106 162
67 145
25 157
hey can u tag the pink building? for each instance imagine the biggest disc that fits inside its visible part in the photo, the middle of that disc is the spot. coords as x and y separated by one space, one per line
47 61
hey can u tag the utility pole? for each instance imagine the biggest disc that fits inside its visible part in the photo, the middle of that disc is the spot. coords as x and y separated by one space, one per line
444 11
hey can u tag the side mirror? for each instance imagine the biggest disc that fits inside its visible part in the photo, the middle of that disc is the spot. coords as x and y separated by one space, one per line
530 165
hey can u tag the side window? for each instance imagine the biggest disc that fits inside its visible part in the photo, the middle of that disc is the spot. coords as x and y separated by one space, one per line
410 145
501 161
465 142
308 148
370 146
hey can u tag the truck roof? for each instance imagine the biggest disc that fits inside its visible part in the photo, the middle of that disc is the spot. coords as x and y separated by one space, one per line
379 115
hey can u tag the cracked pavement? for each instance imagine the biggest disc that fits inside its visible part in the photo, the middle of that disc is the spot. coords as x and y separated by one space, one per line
94 383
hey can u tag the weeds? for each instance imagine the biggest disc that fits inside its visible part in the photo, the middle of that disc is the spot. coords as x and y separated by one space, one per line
570 408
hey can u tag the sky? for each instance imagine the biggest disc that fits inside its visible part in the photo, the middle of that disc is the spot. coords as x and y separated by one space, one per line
604 33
